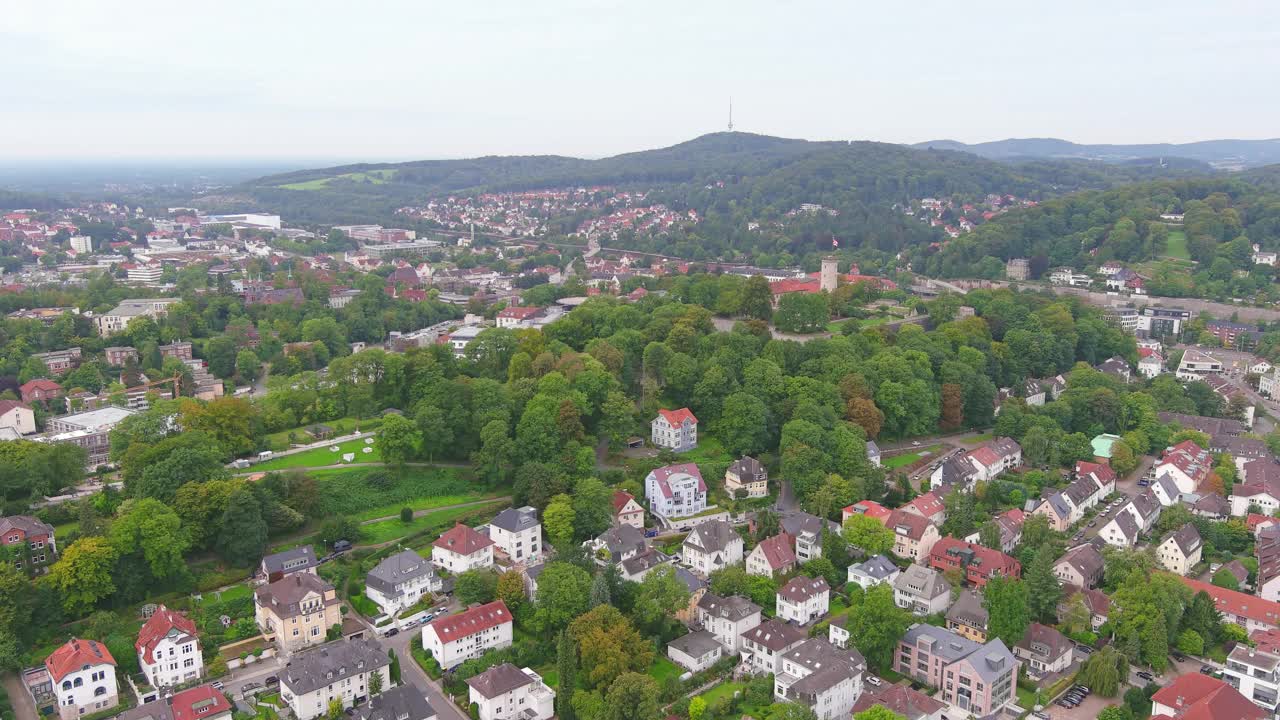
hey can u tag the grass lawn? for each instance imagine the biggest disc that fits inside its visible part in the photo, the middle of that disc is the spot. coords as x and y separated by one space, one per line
375 177
357 489
1026 698
388 530
723 690
663 668
984 437
426 503
342 426
709 450
1176 245
551 677
898 461
320 457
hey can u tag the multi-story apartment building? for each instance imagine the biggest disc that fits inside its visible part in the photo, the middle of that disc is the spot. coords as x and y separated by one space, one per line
1256 674
120 356
1161 322
60 361
803 599
823 677
337 671
30 541
913 536
169 649
90 430
506 692
764 645
298 610
676 491
1180 551
978 679
181 350
469 634
399 581
83 675
978 564
921 590
675 430
727 618
117 319
18 417
518 534
712 546
461 548
1195 365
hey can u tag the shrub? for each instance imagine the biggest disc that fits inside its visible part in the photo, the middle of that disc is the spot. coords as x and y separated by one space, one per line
406 515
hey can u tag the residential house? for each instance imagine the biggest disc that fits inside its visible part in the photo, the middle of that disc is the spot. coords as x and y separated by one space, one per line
675 430
40 390
626 511
1181 550
806 532
1095 602
1117 367
1266 549
1009 523
461 548
967 618
676 491
17 416
505 692
901 700
202 702
1258 485
746 477
1081 566
1166 491
1221 431
764 645
872 572
403 702
929 506
772 556
298 610
517 533
695 651
1256 674
31 540
518 317
1150 364
913 535
727 618
339 671
635 568
803 600
873 453
1248 611
1054 506
977 564
168 649
1187 464
1196 696
1212 506
618 543
1044 650
401 580
956 471
995 458
823 677
921 590
870 508
280 565
976 678
712 546
83 675
454 639
1135 517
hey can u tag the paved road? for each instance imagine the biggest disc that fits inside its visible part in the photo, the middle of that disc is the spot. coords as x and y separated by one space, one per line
23 707
1245 313
1236 364
1128 487
412 674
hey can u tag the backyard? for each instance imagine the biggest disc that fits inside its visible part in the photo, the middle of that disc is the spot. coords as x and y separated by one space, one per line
905 459
1176 245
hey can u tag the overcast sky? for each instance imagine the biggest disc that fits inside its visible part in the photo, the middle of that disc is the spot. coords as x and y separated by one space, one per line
384 80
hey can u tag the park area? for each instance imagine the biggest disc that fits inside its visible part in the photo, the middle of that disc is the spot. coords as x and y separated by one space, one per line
323 456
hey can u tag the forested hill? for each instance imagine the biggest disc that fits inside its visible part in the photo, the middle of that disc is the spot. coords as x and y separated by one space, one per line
1220 153
765 172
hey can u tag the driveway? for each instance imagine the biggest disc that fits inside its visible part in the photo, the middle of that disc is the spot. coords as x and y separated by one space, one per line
411 674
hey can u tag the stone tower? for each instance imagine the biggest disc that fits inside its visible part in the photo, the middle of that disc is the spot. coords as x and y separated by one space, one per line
827 278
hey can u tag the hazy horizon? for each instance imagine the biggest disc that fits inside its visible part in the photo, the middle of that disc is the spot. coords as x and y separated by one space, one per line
404 81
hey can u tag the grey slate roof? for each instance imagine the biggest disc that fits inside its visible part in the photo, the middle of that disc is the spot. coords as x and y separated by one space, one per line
968 610
644 561
828 666
1127 526
321 666
712 536
499 680
878 567
747 468
920 581
403 702
691 582
400 568
1187 538
1169 487
696 644
993 660
516 519
1085 559
775 635
733 607
299 558
796 522
941 643
621 539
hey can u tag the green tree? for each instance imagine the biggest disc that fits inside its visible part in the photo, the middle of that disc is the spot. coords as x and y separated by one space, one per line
247 365
608 646
757 300
557 519
1191 643
1105 671
1008 608
1043 589
375 683
743 426
564 590
242 536
801 313
875 712
399 441
16 610
83 575
697 708
660 593
149 528
434 430
877 625
632 696
600 593
567 666
592 507
510 588
1224 579
476 586
868 534
1123 460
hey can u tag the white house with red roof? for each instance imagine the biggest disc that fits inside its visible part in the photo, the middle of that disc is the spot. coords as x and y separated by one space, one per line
169 649
1259 484
675 430
870 508
1248 611
461 548
17 415
518 317
471 633
928 506
1196 696
1150 363
626 511
772 556
1187 464
83 674
676 491
997 457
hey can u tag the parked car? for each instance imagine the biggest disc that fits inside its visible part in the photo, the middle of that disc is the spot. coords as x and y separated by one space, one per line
272 680
1206 670
1178 656
1084 648
392 632
1143 483
873 681
217 685
1145 675
342 546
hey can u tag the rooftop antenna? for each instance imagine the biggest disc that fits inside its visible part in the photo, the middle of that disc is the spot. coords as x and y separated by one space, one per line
731 114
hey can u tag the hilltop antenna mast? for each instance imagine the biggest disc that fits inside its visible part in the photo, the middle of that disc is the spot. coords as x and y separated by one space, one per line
730 114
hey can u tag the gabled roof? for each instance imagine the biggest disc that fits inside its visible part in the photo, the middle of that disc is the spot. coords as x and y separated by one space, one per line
162 623
25 523
968 610
198 703
1127 525
665 474
470 621
1187 538
7 405
1085 559
907 524
927 505
1044 641
676 418
1195 696
712 536
921 581
462 540
77 654
900 699
775 635
778 551
878 567
499 680
870 508
801 588
733 607
1233 602
620 500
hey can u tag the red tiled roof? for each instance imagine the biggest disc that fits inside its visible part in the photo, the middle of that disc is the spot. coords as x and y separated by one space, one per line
1253 521
910 524
1200 697
676 418
40 384
1267 641
870 508
986 456
520 313
620 500
1103 472
76 654
778 551
1237 603
987 562
928 504
791 285
471 621
210 701
462 540
158 626
7 405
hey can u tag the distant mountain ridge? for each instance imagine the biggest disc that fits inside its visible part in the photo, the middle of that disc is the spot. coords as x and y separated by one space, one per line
1223 154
